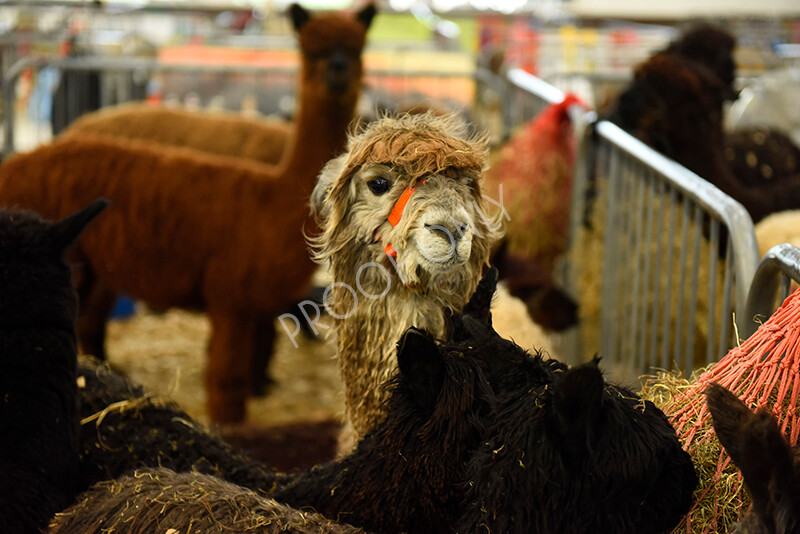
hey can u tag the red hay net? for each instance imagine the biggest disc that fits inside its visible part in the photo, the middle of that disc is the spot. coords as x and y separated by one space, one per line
763 371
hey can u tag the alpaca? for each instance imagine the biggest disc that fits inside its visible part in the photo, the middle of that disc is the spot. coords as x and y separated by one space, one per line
675 106
538 163
166 501
225 134
412 268
451 448
38 426
201 231
769 465
712 47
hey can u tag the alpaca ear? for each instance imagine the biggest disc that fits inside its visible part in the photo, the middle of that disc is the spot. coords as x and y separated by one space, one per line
299 15
576 402
480 303
729 416
756 446
327 176
475 330
366 14
422 366
68 229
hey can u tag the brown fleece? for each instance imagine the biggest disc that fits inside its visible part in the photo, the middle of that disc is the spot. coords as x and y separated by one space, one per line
225 134
200 231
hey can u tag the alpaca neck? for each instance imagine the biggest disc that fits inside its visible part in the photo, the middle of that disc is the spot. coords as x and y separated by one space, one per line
320 133
367 341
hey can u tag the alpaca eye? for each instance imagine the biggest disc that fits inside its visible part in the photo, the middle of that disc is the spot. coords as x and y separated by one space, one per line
379 185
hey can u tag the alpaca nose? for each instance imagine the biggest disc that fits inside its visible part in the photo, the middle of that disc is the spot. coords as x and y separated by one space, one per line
451 232
338 64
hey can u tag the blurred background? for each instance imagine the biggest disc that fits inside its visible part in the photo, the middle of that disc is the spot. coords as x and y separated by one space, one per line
151 50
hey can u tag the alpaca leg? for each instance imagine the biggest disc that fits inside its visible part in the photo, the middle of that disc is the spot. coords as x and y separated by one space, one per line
230 361
265 341
96 303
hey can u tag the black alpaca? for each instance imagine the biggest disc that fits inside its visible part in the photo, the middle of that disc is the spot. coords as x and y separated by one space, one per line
479 434
38 411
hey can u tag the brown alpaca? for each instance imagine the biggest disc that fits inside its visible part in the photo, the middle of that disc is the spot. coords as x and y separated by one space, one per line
225 134
441 243
200 231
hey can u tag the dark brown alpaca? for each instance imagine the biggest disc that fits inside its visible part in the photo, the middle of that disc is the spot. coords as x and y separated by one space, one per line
199 231
769 465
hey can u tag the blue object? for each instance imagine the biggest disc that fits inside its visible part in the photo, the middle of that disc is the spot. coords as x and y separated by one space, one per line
123 308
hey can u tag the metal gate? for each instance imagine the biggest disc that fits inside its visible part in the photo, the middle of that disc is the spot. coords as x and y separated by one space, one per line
772 283
659 259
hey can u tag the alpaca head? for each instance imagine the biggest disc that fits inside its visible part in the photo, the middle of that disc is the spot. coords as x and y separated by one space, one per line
35 281
770 467
535 446
331 46
404 201
674 105
713 47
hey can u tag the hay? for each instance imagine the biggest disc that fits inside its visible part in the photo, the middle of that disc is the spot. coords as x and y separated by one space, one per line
166 353
762 372
162 501
719 497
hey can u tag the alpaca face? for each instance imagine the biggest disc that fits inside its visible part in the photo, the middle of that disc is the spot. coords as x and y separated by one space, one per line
406 196
331 47
550 458
434 234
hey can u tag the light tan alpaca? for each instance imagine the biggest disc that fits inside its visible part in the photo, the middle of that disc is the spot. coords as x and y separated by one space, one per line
441 241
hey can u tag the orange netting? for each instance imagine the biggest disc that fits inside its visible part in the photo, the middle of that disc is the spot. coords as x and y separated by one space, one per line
763 371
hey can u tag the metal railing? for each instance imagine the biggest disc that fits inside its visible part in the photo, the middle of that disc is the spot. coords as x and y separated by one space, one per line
678 257
772 283
659 259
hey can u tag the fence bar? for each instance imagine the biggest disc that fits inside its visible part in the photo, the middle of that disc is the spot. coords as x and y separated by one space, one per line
713 251
673 200
780 264
664 195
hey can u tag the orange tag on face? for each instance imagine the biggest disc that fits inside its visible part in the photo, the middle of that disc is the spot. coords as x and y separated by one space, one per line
400 206
397 214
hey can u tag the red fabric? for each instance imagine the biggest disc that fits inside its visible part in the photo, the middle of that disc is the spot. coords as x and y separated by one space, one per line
535 171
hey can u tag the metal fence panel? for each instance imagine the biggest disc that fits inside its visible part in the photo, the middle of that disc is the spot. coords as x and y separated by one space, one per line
678 258
772 283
